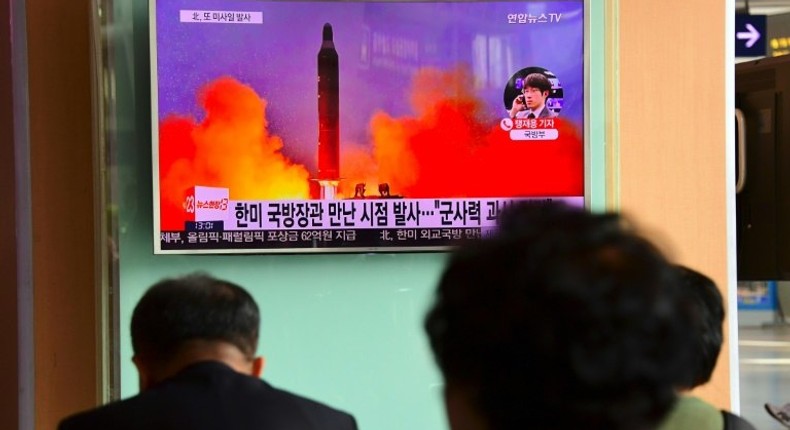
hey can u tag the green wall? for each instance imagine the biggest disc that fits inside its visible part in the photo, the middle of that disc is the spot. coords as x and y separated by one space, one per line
343 329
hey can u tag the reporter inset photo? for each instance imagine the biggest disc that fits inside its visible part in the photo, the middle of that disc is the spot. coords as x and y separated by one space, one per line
533 92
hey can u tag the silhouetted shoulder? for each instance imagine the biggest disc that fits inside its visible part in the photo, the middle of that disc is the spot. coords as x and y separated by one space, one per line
211 396
107 416
323 416
735 422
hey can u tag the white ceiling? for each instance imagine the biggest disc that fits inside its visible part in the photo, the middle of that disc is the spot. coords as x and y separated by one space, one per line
765 7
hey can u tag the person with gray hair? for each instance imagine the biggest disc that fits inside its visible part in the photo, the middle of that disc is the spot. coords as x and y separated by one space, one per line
195 340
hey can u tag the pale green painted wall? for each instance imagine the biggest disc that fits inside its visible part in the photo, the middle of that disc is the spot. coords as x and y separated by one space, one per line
344 329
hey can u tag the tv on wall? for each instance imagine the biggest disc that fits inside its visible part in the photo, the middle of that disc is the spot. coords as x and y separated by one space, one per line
352 126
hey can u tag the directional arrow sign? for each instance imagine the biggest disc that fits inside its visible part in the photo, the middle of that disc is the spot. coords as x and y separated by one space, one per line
750 35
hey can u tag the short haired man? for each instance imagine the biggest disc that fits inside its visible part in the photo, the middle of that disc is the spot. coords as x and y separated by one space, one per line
561 320
194 341
701 297
701 294
532 101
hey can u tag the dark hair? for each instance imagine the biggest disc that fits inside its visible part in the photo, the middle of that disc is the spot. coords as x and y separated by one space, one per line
707 308
565 319
539 81
193 307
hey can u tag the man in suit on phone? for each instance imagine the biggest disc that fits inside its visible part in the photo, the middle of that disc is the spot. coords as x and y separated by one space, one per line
531 103
194 340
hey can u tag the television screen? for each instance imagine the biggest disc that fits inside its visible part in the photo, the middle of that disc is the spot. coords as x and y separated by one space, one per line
360 126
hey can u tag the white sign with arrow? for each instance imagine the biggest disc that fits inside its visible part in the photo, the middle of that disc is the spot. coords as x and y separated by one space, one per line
751 36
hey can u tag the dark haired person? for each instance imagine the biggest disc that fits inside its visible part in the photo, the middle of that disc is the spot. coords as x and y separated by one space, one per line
532 101
562 320
194 341
701 297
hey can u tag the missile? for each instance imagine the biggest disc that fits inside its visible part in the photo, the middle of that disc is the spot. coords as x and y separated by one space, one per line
328 109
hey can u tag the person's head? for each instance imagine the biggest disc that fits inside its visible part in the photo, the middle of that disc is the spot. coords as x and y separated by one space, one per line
536 88
194 318
563 318
707 308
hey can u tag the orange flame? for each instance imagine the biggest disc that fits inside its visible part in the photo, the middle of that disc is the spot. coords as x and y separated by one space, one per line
358 160
449 148
231 148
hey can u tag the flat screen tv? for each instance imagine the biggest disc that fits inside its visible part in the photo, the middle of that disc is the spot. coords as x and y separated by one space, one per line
358 126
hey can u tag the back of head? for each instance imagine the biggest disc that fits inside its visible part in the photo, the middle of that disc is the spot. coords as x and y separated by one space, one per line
564 319
197 307
705 304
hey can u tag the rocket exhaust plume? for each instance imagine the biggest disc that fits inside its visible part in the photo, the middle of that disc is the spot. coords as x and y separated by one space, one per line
230 148
328 115
449 147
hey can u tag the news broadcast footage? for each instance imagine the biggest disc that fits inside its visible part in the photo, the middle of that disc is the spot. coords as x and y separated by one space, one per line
358 126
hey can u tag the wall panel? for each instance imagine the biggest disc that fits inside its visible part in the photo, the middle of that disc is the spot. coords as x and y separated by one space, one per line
672 136
61 165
